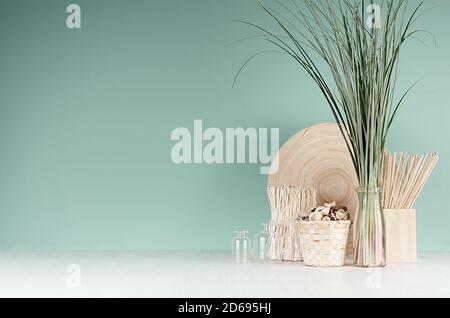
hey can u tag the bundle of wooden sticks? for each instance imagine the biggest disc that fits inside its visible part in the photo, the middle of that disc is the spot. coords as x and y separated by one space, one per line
287 205
403 177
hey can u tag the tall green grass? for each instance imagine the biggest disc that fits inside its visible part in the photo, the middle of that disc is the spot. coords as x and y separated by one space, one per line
362 61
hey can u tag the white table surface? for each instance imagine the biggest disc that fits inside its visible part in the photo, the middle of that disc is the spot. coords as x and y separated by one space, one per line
210 274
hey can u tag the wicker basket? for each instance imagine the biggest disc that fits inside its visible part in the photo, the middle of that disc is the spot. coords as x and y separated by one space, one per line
323 243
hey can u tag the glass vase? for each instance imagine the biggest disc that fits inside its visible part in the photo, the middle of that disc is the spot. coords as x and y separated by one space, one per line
369 237
241 247
261 242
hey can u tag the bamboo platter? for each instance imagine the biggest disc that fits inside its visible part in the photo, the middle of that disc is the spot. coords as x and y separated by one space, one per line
317 157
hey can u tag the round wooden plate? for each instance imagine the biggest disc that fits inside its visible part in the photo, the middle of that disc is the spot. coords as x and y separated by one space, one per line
318 157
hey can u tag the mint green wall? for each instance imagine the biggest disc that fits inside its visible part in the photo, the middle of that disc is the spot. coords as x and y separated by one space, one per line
86 117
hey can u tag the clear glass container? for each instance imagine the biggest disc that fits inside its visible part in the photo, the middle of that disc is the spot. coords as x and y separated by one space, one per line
241 247
261 242
369 248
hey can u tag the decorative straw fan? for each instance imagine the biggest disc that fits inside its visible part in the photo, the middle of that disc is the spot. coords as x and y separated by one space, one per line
318 157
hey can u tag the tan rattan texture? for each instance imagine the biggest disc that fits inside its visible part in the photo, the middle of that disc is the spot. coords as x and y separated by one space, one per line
324 243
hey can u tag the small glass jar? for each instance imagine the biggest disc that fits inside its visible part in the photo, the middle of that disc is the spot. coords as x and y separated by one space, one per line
241 247
261 242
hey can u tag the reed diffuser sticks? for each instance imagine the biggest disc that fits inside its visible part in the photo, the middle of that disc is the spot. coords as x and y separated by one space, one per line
403 177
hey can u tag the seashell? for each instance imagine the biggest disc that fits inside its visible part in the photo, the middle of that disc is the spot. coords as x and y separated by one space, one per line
326 210
316 216
340 207
326 218
341 215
